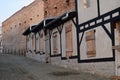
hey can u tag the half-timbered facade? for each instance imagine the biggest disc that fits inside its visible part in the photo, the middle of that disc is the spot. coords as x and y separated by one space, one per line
86 39
97 32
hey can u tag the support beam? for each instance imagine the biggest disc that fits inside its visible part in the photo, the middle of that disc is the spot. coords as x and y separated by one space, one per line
98 7
60 28
50 34
106 30
74 22
113 37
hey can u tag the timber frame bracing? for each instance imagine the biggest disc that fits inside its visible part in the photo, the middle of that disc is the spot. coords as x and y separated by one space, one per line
100 21
60 28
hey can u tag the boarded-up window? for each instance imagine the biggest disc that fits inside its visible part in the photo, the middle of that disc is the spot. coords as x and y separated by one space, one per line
90 39
85 3
55 43
37 43
69 41
33 42
41 43
30 42
47 46
27 41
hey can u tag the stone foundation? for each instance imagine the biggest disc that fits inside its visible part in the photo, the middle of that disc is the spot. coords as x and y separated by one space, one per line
106 69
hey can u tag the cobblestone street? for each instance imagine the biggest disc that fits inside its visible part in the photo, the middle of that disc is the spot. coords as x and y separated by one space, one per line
22 68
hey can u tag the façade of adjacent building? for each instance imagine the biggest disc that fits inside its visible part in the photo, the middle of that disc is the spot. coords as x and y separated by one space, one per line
14 26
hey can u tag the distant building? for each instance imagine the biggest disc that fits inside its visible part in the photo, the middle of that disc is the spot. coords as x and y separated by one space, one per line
14 26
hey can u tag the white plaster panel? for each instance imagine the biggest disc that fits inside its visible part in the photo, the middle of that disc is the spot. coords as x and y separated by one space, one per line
108 5
103 45
85 14
63 43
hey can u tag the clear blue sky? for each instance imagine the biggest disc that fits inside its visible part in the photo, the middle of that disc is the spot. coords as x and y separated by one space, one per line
9 7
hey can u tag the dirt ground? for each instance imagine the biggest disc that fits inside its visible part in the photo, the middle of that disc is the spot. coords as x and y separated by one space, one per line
21 68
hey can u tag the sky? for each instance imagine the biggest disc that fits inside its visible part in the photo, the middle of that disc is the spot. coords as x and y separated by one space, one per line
9 7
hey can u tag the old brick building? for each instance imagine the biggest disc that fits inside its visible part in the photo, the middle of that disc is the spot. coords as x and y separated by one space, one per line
39 44
60 47
57 7
14 26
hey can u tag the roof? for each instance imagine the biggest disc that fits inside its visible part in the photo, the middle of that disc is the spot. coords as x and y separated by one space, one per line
42 24
28 30
50 23
61 19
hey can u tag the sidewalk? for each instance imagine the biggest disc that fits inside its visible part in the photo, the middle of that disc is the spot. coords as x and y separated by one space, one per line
22 68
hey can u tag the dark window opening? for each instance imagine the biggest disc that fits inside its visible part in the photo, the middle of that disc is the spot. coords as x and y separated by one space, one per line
45 12
55 7
24 21
67 2
30 18
38 15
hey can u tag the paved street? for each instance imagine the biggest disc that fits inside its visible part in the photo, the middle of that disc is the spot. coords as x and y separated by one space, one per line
22 68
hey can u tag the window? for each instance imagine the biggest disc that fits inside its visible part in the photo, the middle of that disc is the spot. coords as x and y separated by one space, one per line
24 21
55 7
67 2
31 19
47 46
85 3
19 23
41 42
33 42
27 40
46 12
55 43
69 41
90 39
38 15
37 42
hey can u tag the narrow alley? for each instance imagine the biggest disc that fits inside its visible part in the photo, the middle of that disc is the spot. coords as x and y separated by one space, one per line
21 68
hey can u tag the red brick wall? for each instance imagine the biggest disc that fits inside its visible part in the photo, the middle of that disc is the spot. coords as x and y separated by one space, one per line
14 26
57 7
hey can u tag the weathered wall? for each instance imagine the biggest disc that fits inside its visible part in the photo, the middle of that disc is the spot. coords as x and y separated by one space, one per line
102 41
106 69
13 40
54 8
